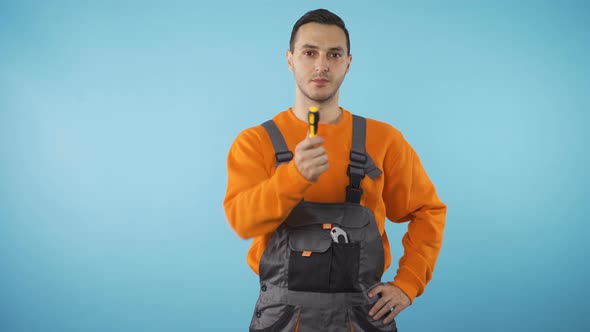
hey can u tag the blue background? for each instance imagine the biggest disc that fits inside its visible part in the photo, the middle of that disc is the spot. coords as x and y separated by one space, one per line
116 119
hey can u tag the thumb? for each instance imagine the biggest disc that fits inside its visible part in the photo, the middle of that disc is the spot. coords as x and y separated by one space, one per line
375 291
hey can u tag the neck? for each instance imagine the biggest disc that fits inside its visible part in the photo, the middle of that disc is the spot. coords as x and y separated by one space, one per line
330 112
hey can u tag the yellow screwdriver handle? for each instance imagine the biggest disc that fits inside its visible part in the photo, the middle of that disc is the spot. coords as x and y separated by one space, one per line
313 117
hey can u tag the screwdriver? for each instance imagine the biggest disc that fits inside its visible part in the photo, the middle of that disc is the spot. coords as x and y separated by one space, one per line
313 117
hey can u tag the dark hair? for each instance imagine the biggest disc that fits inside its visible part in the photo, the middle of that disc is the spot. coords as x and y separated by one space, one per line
321 16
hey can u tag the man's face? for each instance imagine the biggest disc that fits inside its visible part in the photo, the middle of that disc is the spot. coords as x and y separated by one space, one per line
319 61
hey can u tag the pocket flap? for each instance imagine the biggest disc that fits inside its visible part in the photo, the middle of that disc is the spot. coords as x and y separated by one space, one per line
342 214
310 241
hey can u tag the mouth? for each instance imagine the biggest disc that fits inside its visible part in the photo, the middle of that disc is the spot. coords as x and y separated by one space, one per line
320 80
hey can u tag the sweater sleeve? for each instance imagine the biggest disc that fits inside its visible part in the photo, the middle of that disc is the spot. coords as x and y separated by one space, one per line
256 201
409 195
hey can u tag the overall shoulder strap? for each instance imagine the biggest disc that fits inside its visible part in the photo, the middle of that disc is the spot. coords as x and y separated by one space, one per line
282 153
360 161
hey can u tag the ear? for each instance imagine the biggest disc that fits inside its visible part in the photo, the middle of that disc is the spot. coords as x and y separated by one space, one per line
290 60
349 62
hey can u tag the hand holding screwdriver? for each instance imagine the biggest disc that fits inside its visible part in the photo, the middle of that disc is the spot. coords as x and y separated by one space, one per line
310 155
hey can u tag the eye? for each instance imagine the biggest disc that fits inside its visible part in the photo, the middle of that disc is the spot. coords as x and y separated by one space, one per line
336 55
309 53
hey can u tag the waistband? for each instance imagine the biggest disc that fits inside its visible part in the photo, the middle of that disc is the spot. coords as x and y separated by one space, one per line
275 294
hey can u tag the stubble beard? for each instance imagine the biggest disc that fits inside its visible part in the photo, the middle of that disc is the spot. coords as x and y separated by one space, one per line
318 99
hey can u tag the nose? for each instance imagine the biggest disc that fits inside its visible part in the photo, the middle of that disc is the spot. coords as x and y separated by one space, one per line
321 65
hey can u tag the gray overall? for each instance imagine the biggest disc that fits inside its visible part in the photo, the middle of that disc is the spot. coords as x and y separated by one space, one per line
321 262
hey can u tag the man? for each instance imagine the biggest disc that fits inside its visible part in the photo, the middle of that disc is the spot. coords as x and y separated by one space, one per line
316 206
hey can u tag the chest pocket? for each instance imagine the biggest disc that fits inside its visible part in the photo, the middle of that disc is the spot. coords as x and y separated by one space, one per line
319 261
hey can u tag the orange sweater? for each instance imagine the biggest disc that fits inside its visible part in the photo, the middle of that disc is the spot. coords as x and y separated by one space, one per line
260 196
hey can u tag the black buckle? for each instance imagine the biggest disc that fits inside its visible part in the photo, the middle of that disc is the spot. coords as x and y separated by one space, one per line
355 182
360 158
283 157
353 195
354 190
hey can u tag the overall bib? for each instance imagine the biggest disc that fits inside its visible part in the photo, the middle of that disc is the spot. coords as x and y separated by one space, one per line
321 262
